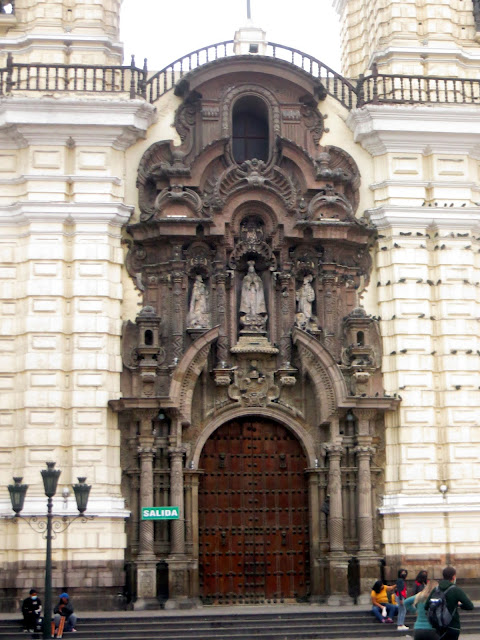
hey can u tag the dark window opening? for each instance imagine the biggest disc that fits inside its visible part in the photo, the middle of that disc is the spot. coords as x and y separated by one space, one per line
360 339
250 130
148 338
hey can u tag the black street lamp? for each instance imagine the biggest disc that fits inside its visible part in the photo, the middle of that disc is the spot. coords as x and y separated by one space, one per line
17 492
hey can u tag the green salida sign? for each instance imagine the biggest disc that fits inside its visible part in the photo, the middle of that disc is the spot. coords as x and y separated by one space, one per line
160 513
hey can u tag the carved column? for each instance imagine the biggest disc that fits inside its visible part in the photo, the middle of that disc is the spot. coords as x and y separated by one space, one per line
178 306
146 560
146 452
364 491
191 513
223 353
179 565
335 520
285 302
368 559
338 563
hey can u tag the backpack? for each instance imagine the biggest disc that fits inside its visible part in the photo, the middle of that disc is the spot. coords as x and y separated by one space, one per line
437 611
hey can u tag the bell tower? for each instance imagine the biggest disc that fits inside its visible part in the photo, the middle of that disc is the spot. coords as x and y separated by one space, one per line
411 37
62 31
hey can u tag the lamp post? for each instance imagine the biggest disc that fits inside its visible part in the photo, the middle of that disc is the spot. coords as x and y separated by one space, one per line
17 492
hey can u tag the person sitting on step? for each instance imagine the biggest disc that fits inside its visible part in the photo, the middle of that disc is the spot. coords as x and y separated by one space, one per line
64 608
381 607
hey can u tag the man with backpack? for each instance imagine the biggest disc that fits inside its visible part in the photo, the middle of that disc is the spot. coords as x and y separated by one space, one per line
443 604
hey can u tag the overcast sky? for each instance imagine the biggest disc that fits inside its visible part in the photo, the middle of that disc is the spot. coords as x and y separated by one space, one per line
164 30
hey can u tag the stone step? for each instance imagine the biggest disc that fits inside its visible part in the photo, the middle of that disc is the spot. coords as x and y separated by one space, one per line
297 626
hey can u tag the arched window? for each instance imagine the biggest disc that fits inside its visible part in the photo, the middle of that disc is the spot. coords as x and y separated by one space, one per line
250 130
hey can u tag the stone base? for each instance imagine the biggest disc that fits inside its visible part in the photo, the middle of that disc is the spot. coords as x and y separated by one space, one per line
369 570
146 583
183 603
146 604
339 601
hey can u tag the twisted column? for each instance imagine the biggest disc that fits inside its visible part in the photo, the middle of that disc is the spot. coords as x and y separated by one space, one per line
364 489
335 519
146 452
176 499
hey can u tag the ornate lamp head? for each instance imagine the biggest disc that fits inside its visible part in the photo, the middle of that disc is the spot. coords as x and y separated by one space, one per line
17 492
82 492
50 477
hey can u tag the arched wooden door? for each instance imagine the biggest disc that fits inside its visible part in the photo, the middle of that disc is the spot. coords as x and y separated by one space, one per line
253 515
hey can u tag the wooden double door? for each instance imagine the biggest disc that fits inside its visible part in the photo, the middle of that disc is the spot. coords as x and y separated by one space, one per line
253 515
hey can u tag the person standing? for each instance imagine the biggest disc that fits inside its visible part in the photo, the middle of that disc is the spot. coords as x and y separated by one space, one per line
31 610
456 598
400 596
65 608
422 629
420 582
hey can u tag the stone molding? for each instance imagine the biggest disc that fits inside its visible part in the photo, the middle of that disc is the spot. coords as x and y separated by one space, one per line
382 129
100 507
278 415
89 122
425 217
430 503
114 213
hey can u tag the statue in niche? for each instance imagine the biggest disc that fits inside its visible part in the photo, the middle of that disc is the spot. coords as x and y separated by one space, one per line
253 312
305 296
198 317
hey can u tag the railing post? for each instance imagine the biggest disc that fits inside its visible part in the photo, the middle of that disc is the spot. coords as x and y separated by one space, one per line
359 91
132 78
375 82
9 83
143 82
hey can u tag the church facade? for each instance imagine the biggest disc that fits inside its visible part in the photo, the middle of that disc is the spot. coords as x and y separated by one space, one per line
244 289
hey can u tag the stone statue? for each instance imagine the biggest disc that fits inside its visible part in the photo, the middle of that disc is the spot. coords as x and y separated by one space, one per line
305 296
198 317
253 312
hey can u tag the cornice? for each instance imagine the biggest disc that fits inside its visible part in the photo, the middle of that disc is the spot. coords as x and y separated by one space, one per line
89 122
424 184
425 217
69 179
453 129
434 53
429 503
115 214
99 506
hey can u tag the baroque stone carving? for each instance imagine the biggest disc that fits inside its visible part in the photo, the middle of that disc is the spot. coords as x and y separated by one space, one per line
253 312
305 297
314 121
250 174
252 387
176 194
198 316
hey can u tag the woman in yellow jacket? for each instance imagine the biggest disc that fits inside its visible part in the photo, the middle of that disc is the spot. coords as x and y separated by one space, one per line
381 607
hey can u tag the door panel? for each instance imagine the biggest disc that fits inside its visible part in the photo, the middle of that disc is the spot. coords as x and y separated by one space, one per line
253 515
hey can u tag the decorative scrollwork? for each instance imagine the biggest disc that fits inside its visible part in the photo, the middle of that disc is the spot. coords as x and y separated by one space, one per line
39 524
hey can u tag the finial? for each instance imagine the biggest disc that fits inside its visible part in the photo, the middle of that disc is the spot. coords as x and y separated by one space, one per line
249 11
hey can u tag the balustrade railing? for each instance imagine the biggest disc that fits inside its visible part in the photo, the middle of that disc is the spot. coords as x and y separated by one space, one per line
134 82
164 80
53 78
398 89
